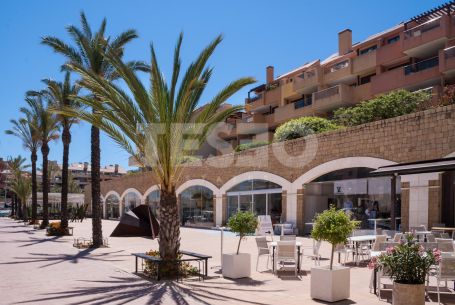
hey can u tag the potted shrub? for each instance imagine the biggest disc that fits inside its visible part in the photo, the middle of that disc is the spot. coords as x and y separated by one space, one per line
238 265
408 265
329 283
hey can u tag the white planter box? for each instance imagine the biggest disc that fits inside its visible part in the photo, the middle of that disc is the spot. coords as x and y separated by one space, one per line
330 285
236 266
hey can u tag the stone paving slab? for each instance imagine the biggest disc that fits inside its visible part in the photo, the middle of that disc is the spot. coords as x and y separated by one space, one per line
36 269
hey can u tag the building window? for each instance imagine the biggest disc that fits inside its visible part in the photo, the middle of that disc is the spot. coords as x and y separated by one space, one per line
112 207
153 201
196 207
258 196
130 201
303 102
368 50
393 39
366 79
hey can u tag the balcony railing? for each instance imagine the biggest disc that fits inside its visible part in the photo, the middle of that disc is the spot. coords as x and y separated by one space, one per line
449 52
303 102
254 98
421 65
420 29
338 66
327 92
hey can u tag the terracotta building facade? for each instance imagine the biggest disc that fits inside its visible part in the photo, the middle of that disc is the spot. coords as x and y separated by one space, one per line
291 181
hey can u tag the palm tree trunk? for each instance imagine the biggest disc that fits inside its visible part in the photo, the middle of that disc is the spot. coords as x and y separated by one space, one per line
18 207
97 231
13 206
34 158
66 139
24 209
169 237
45 153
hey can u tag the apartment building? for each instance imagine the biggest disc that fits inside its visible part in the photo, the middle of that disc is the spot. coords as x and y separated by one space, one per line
413 55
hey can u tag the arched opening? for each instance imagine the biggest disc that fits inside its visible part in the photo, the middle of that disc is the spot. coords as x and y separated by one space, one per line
153 201
196 206
112 205
131 200
367 199
261 197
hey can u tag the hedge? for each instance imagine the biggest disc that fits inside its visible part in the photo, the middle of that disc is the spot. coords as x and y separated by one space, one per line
302 127
250 145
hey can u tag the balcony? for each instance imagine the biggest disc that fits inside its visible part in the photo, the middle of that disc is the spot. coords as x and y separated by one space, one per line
252 124
364 62
390 53
426 37
447 61
332 98
361 93
423 73
338 72
307 81
293 110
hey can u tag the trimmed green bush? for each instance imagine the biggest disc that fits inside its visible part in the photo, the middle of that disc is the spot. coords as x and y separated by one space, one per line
333 226
250 145
386 106
243 223
303 127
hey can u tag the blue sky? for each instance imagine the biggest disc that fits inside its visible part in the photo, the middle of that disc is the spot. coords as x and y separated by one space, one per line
285 34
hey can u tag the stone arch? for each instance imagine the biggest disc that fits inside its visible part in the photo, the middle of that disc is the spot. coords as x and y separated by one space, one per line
104 198
153 188
285 184
130 190
198 182
338 164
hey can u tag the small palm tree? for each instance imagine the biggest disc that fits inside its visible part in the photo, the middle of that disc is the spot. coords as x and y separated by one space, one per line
88 56
154 124
46 127
22 187
16 167
24 130
59 95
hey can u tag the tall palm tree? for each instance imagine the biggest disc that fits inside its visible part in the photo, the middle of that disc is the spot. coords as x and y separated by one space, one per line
59 95
153 125
22 187
16 166
87 55
46 127
24 130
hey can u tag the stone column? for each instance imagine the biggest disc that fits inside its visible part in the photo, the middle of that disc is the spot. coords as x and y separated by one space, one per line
420 199
291 205
218 210
300 211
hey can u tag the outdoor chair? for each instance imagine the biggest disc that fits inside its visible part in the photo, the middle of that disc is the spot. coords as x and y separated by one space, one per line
344 249
397 237
315 252
379 239
263 249
445 245
418 228
446 271
286 252
431 238
445 235
429 245
288 237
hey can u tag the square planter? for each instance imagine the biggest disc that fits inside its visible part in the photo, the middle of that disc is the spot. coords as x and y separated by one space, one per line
330 285
236 266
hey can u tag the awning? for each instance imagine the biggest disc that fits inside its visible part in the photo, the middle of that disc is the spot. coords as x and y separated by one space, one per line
420 167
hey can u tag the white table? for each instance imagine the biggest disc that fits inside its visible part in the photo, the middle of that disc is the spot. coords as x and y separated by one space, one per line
274 244
358 239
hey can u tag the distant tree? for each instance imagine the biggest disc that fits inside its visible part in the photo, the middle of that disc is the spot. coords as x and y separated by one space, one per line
302 127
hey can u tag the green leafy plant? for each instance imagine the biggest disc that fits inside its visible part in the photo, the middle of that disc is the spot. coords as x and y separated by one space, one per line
243 223
407 263
385 106
333 226
302 127
151 268
56 229
250 145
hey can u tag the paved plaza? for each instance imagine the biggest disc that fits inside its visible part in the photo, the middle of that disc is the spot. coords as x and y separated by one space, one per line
36 269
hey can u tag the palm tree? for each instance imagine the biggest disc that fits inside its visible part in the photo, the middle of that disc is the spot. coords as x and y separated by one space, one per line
16 166
21 186
88 56
152 125
24 130
46 127
60 95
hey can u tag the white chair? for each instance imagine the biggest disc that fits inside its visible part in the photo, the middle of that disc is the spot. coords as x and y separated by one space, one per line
287 237
263 249
343 249
314 252
379 239
286 251
397 237
431 238
446 270
445 245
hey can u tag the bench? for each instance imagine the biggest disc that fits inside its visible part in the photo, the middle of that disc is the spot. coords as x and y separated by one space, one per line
157 260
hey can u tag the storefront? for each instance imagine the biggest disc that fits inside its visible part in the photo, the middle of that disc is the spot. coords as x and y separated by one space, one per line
153 201
258 196
130 201
367 199
196 207
112 207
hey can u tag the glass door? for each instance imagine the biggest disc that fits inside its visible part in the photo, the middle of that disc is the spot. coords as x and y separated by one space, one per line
260 204
245 203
